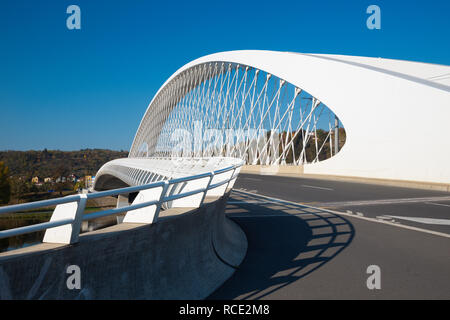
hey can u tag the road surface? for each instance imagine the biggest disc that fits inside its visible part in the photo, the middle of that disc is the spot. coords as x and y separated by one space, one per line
301 252
420 208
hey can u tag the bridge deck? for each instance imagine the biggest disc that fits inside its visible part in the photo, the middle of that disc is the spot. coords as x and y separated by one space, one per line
296 252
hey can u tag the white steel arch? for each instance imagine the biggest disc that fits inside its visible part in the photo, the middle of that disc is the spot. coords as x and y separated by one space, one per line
395 113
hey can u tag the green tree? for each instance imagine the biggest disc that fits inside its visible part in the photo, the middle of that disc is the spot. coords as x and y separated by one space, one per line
78 185
5 184
20 188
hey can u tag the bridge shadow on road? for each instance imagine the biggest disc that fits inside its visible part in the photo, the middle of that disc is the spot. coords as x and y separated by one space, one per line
286 242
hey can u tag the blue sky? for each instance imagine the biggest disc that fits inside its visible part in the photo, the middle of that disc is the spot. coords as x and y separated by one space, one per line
72 89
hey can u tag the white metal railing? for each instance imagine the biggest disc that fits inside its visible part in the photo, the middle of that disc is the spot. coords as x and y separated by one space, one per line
65 223
137 171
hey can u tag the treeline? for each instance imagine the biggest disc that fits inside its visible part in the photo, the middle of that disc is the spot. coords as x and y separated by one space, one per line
310 149
56 163
17 168
295 141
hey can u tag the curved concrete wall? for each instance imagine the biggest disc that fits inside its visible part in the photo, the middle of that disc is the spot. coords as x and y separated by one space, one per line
184 256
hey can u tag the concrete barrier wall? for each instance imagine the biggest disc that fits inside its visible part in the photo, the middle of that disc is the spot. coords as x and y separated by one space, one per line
298 172
282 169
184 256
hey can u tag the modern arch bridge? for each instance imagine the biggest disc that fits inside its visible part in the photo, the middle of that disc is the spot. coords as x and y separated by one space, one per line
326 114
282 108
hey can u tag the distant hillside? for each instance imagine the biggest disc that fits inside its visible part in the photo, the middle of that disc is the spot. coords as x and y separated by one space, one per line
54 163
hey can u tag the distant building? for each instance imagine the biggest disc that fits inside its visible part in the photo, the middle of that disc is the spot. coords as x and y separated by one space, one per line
61 179
89 181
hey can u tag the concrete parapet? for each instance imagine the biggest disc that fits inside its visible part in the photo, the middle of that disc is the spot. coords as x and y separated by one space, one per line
297 172
272 170
187 254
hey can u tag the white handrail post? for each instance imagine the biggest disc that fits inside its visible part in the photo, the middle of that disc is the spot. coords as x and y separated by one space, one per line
69 233
236 171
145 214
76 225
161 198
122 201
211 177
231 178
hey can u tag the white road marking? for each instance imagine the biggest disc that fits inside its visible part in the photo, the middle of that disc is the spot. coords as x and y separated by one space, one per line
436 233
315 187
251 179
443 222
250 202
382 201
384 218
438 204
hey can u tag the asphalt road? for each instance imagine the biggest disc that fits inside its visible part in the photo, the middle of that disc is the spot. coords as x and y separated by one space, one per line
419 208
299 252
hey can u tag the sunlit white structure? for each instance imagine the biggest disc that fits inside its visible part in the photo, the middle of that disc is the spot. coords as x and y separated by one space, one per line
269 108
284 108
